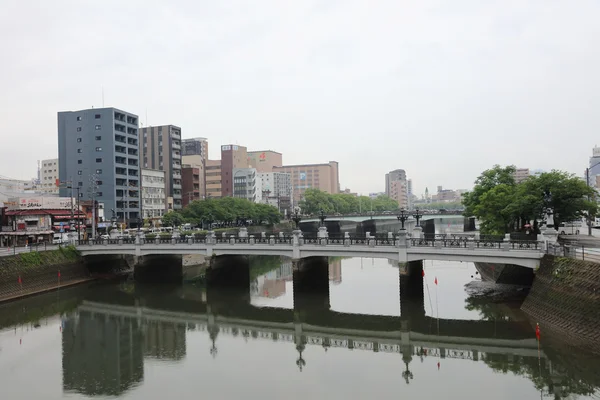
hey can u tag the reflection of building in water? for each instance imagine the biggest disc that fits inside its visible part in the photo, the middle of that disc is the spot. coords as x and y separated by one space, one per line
272 284
101 355
335 271
165 340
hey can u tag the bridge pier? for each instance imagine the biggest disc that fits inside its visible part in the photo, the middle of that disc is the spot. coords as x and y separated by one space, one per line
311 284
229 271
159 268
412 296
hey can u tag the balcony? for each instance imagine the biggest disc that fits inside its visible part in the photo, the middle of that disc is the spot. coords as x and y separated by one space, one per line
177 186
176 155
176 145
176 175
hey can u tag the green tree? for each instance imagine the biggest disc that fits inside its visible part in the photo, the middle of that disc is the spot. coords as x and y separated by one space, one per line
503 206
315 200
172 218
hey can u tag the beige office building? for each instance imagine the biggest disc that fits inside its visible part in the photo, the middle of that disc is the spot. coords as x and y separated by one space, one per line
399 192
521 174
264 160
324 177
213 179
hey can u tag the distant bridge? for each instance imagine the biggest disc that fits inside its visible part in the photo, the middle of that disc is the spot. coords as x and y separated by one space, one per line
399 248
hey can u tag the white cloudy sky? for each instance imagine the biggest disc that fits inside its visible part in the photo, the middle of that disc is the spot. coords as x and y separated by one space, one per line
441 88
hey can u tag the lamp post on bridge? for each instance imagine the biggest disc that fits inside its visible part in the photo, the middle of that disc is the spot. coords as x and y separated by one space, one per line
402 217
417 216
322 217
296 218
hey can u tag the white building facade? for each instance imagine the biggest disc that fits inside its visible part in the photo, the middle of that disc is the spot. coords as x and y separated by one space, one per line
246 184
48 176
154 195
277 190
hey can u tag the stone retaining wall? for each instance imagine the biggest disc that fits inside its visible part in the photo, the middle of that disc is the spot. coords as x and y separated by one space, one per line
39 272
565 300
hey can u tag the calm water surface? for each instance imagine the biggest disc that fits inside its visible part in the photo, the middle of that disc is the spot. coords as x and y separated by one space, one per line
136 341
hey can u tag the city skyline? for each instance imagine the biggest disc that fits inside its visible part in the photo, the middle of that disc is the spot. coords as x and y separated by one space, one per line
464 88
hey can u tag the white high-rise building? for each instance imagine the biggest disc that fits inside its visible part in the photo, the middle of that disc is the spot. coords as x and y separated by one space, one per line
48 176
277 190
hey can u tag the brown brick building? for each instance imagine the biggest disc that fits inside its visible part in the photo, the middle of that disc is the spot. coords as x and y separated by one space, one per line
324 177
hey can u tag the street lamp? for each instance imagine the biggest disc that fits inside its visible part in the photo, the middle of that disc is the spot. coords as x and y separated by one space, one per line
296 218
402 217
417 216
322 217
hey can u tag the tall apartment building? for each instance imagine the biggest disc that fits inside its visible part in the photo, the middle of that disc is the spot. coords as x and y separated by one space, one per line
277 190
191 183
395 175
399 192
213 179
98 152
246 185
161 149
154 195
409 190
48 176
195 147
264 160
232 156
521 174
324 177
199 162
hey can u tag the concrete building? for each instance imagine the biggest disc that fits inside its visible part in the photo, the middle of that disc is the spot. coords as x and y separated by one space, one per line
161 149
521 174
154 196
232 157
199 162
399 192
277 190
191 183
213 179
324 177
246 185
49 176
264 160
195 147
98 152
409 189
395 175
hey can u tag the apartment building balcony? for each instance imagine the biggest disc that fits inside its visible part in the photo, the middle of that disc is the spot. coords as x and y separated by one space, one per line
177 186
176 145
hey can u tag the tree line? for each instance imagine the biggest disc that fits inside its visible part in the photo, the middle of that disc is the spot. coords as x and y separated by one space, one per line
502 205
226 211
315 200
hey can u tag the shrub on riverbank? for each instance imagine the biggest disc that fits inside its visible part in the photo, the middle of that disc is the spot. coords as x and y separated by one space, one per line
26 262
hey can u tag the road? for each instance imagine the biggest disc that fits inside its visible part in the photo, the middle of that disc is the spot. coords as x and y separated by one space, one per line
10 251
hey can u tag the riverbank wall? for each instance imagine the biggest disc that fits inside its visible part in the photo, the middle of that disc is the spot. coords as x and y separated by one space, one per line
565 300
37 272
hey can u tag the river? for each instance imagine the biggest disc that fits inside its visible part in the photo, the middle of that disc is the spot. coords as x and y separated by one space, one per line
135 341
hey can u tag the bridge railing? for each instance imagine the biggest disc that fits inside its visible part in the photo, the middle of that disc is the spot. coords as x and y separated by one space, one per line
478 244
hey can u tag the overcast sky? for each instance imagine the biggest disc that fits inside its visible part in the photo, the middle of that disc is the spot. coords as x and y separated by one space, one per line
443 89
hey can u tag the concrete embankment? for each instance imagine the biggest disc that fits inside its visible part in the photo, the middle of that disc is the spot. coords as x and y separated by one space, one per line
565 300
37 272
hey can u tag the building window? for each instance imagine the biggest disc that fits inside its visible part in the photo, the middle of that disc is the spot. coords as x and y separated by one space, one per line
78 172
98 148
78 140
79 150
79 161
79 183
78 129
99 194
80 194
97 116
98 137
78 118
99 183
97 127
98 171
98 160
